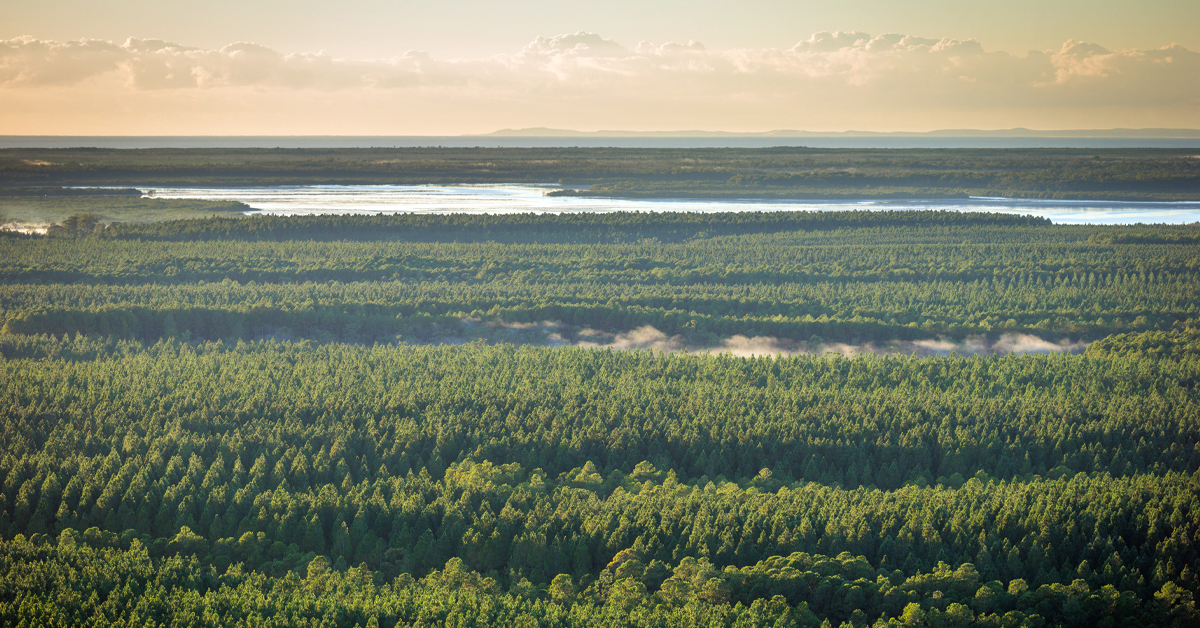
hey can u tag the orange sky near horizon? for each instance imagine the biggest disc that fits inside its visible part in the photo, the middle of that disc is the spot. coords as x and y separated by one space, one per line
73 68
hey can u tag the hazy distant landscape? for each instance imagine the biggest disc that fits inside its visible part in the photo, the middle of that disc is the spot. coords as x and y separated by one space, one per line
39 187
522 138
1144 174
1134 134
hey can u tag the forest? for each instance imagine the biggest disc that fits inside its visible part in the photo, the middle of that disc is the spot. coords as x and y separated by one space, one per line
42 207
782 172
787 419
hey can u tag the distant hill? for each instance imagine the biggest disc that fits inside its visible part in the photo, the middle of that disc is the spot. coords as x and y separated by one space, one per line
1017 132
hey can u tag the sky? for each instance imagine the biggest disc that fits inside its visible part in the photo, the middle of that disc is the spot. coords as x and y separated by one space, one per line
396 67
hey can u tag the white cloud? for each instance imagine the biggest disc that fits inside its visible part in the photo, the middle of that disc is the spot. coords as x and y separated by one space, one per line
579 44
157 64
585 80
31 62
584 59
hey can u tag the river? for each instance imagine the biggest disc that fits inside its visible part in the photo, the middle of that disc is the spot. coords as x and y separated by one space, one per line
510 199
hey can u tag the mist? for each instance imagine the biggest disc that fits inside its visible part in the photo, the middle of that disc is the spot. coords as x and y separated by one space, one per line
650 338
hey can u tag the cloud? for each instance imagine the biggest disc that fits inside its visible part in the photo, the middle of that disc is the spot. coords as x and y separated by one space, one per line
31 62
582 60
824 82
578 44
158 64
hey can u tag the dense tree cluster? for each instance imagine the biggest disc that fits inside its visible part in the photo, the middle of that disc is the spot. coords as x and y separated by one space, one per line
61 214
69 192
825 283
278 431
1074 179
780 172
566 228
57 583
269 455
76 225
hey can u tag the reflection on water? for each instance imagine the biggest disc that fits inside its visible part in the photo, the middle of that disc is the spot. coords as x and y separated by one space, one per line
511 199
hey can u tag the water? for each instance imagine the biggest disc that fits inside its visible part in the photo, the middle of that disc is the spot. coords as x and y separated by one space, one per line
511 199
466 141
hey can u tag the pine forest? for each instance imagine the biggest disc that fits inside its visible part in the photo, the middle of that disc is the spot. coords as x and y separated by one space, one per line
804 419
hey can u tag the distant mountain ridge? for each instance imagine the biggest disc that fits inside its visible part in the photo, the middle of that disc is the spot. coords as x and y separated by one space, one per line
1016 132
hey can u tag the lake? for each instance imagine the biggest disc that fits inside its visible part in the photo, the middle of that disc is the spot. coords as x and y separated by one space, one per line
511 199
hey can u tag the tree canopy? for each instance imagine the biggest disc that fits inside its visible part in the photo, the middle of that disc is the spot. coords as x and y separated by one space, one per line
410 421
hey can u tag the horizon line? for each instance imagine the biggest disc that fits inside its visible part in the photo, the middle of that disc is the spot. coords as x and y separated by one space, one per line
1115 132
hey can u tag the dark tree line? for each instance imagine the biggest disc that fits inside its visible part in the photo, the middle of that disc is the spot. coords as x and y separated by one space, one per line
780 172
